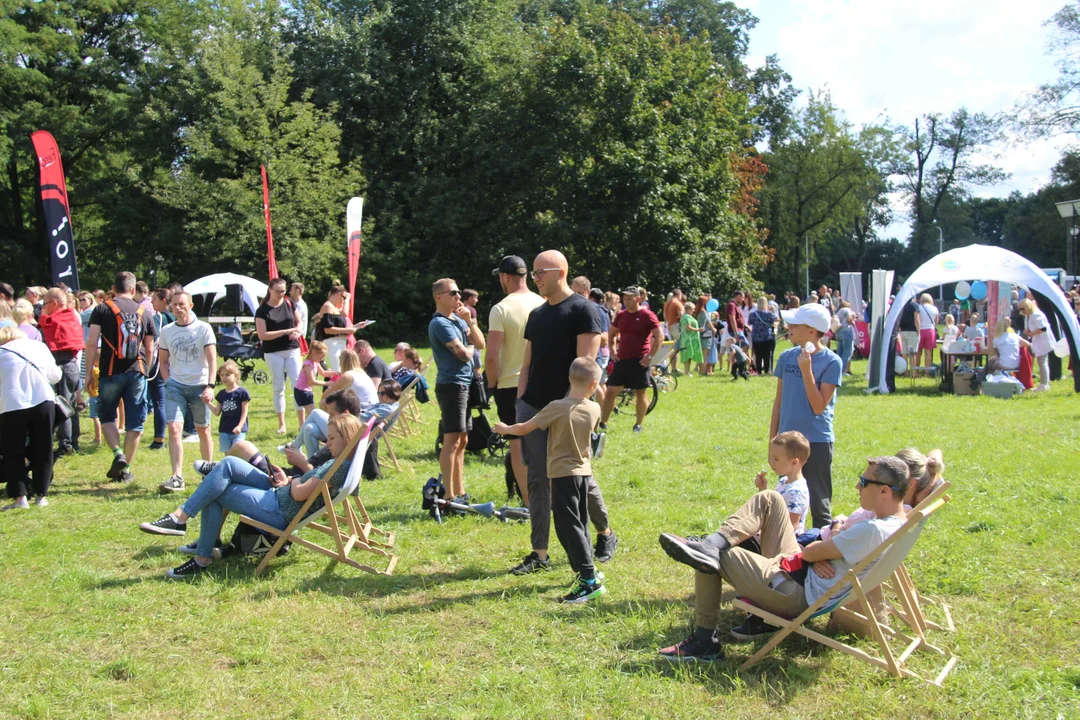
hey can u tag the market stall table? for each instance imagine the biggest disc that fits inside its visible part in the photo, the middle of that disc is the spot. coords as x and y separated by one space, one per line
949 360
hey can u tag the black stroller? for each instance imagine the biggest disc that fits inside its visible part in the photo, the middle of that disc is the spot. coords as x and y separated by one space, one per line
231 346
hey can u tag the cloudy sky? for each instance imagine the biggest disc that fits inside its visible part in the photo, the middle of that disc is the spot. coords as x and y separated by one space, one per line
901 58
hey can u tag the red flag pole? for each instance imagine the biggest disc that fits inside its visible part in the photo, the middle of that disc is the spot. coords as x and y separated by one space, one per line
269 233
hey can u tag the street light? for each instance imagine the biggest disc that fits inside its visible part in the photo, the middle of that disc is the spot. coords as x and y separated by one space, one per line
940 249
1069 209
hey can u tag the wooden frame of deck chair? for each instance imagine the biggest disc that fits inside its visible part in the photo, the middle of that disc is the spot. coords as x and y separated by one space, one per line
351 530
412 413
383 429
886 559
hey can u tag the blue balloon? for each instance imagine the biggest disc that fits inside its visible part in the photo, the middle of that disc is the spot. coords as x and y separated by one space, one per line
713 305
978 290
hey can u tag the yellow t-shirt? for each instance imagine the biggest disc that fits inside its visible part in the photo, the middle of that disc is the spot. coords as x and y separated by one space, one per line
509 317
570 423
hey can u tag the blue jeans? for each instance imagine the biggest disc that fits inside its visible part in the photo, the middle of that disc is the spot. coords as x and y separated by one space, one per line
236 486
155 396
313 433
845 345
129 387
180 399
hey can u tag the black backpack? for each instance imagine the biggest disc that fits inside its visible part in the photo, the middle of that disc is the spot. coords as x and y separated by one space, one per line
249 540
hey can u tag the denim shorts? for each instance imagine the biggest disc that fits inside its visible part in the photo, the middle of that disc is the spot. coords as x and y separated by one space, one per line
93 408
180 397
227 440
129 387
303 398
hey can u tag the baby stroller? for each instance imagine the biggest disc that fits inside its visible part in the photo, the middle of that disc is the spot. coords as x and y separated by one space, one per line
231 346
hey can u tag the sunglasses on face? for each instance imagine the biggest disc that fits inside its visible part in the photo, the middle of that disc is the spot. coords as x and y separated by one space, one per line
540 273
455 293
864 481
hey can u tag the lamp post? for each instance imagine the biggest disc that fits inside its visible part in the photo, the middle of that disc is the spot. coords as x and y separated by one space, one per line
940 250
1070 209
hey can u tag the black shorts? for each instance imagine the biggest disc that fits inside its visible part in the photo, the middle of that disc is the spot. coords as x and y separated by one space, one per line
629 374
303 398
506 404
453 401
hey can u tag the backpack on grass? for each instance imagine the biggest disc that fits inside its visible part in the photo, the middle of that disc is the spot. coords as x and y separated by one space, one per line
248 540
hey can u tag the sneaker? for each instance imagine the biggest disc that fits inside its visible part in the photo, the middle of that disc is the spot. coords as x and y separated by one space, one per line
22 504
119 464
64 450
42 501
283 448
598 442
126 476
1040 388
604 550
191 549
583 592
637 428
192 438
165 525
203 467
530 564
463 499
753 628
157 445
691 650
603 427
173 484
187 571
691 551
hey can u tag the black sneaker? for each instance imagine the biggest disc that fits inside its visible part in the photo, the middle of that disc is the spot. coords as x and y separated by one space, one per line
691 650
192 549
637 428
187 571
165 525
157 445
605 547
753 628
691 551
583 592
119 464
598 442
203 467
603 426
532 563
126 476
172 485
463 499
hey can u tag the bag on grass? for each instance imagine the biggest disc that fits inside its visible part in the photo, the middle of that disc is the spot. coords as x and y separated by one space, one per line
248 540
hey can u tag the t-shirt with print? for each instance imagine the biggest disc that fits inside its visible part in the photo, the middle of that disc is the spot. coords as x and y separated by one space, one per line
105 318
441 330
186 345
854 544
552 331
509 317
761 326
281 317
795 410
635 333
232 407
377 370
570 423
797 496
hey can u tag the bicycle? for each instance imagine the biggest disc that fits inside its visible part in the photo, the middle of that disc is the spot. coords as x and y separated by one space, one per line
627 397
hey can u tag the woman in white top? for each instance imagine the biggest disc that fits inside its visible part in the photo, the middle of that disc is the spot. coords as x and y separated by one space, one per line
1006 348
353 376
27 374
1037 328
926 323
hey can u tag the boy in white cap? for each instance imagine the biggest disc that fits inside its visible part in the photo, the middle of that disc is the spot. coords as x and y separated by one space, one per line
807 377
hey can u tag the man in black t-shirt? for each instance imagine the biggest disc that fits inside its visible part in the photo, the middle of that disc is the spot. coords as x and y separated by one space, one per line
558 332
373 365
909 332
127 342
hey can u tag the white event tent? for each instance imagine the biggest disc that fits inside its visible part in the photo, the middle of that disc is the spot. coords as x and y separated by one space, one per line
251 290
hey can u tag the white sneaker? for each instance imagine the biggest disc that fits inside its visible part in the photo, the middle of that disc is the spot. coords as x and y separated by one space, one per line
1040 388
42 501
191 438
21 504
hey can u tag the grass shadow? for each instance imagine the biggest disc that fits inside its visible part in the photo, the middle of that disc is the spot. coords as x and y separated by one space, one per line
114 493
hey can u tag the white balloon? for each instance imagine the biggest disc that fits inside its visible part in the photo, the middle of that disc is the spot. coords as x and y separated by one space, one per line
901 365
963 290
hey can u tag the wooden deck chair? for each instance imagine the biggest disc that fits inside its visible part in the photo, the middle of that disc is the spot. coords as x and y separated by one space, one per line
412 413
406 402
886 559
384 429
351 530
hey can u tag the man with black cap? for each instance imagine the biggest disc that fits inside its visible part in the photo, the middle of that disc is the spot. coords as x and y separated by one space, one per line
506 350
639 336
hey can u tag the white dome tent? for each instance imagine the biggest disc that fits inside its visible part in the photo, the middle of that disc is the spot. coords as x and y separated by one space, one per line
214 286
977 262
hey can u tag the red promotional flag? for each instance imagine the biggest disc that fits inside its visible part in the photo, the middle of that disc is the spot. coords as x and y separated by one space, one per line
354 216
269 234
57 212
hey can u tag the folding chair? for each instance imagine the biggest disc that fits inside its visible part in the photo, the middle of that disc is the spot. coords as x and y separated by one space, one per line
886 560
412 414
384 428
351 530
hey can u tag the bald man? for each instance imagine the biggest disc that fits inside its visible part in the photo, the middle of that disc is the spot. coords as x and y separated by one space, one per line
558 332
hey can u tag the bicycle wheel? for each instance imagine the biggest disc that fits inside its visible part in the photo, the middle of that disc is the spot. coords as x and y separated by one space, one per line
665 380
655 394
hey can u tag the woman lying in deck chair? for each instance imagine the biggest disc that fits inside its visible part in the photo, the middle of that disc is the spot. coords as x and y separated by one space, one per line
242 488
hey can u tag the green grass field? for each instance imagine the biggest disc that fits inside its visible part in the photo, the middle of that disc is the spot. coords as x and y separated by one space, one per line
92 628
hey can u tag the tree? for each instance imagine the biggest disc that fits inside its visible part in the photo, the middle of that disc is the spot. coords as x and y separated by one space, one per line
1054 108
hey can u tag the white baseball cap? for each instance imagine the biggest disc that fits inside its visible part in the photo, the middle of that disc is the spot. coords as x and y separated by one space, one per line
813 314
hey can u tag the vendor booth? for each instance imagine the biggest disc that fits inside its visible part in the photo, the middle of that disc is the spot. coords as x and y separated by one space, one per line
236 289
979 262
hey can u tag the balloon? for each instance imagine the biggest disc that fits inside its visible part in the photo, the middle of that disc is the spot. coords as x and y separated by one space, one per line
1061 348
978 290
901 365
713 305
962 290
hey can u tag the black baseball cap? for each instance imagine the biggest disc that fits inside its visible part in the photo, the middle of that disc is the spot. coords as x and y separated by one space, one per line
632 290
511 265
596 294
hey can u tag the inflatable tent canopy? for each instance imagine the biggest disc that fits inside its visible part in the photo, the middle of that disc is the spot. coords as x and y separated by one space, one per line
214 288
980 262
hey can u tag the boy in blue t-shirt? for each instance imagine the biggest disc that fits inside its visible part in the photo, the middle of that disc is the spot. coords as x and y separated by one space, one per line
808 375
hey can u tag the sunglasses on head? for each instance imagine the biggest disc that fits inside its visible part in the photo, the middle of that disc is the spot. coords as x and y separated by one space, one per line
864 481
